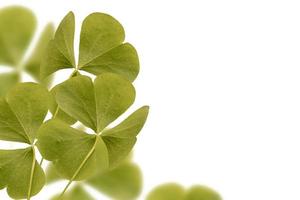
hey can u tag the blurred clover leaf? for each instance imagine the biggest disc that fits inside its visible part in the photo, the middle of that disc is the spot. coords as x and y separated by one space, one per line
76 154
22 112
102 48
123 182
17 28
174 191
76 193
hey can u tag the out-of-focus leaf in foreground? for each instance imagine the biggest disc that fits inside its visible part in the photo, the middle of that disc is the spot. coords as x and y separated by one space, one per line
122 183
173 191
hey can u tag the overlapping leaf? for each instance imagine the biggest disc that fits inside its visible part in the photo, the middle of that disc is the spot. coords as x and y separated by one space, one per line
173 191
32 65
101 48
21 114
76 154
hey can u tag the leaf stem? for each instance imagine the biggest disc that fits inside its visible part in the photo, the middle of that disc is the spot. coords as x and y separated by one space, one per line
41 162
56 112
32 173
80 167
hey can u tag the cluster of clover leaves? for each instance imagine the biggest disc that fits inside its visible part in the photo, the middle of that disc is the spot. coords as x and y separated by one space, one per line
100 159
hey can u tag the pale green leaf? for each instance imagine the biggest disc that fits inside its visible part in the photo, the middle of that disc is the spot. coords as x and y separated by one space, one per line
10 127
75 154
76 97
121 139
169 191
20 173
60 51
102 49
7 81
98 104
99 33
29 104
202 193
122 183
32 66
122 60
17 26
22 112
76 193
114 95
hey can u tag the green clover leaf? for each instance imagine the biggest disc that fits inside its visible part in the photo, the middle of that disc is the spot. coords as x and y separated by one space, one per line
21 114
78 155
101 48
173 191
17 25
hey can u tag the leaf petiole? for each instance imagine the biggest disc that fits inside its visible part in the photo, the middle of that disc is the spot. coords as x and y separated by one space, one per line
31 174
79 168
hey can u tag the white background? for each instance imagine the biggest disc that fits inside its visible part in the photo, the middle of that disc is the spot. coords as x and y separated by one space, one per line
223 82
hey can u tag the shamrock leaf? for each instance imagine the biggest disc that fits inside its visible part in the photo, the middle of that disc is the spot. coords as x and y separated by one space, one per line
95 104
173 191
60 50
101 48
21 114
